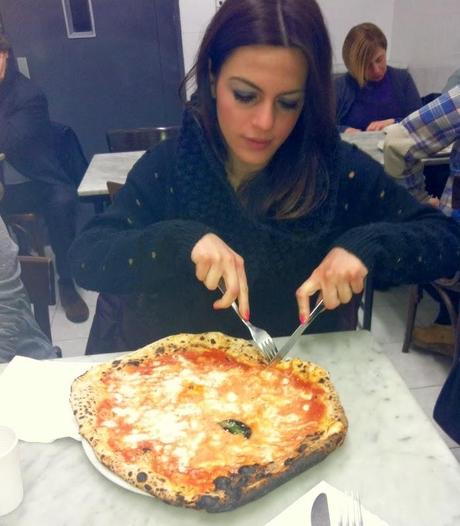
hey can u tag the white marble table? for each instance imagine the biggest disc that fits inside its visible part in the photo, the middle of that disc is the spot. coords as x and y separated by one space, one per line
368 142
392 455
106 167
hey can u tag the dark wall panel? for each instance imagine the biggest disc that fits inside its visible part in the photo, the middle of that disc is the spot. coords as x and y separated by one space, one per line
127 76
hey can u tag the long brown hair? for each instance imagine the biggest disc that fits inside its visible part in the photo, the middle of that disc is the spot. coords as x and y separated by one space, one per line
287 188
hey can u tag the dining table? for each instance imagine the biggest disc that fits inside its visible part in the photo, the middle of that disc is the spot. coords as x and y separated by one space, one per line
115 166
392 456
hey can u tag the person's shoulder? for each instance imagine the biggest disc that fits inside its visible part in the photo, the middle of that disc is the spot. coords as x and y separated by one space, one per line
157 158
344 80
24 87
350 158
400 74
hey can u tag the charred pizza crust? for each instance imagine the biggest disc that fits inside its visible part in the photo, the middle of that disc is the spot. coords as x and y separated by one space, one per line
242 483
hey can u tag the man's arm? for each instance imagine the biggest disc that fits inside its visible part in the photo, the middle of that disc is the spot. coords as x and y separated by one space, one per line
421 134
22 120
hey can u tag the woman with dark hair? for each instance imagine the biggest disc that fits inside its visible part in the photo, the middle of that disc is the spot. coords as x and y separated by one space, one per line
258 191
372 95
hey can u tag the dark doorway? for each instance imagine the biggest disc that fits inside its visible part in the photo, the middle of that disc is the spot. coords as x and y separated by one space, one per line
126 76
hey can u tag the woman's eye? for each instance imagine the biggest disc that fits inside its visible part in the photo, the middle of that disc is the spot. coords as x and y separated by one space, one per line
245 98
289 104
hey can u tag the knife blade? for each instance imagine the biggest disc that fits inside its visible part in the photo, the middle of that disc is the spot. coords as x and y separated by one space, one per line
319 514
299 331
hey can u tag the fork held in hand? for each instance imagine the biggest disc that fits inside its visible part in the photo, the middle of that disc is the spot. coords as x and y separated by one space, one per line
261 338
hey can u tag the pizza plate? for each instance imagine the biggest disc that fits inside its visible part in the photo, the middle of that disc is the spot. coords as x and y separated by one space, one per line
106 471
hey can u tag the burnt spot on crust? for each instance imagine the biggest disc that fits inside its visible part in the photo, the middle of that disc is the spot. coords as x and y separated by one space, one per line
147 487
134 363
222 483
213 341
141 477
208 503
115 363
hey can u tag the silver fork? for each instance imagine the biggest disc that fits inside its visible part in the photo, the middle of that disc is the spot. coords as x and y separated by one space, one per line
352 512
261 338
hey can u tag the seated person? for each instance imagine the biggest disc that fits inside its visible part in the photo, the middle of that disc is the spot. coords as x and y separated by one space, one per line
34 179
423 133
19 332
371 95
258 191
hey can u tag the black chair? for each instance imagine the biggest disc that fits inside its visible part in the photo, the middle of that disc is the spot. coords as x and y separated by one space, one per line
429 97
69 152
37 275
135 139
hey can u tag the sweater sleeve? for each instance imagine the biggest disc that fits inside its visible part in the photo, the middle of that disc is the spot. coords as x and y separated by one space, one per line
135 246
399 239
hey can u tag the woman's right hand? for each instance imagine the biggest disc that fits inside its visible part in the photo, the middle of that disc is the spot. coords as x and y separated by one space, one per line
215 260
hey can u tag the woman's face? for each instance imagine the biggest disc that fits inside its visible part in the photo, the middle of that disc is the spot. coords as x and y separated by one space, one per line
259 96
377 67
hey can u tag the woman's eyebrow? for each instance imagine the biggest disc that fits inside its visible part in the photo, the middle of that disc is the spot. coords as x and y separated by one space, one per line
254 86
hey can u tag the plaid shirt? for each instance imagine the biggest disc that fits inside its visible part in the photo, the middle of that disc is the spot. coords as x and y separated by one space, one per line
432 128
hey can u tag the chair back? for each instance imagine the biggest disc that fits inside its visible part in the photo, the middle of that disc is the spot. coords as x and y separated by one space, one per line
37 275
69 152
136 139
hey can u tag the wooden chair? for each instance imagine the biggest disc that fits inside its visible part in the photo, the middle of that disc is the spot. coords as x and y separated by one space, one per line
135 139
37 274
442 286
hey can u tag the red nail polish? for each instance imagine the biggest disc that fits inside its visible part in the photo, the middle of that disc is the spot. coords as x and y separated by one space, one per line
302 318
246 316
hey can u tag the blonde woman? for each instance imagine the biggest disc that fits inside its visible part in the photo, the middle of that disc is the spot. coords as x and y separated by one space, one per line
372 95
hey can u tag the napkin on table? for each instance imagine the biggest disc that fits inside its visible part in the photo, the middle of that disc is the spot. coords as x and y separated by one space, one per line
34 398
298 513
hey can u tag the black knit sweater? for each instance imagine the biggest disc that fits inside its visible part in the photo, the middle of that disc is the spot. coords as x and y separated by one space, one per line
178 192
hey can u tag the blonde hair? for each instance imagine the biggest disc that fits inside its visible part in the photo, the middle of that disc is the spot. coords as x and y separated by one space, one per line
359 46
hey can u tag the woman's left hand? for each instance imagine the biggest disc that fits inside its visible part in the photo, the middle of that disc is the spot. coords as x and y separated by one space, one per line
380 125
340 275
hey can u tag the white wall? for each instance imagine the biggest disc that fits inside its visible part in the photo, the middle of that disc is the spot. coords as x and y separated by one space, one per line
342 15
194 17
422 34
426 35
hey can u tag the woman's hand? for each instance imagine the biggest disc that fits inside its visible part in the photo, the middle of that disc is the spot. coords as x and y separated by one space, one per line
215 260
352 130
380 125
339 276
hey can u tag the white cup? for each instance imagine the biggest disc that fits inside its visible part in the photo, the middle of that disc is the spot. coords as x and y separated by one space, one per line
11 491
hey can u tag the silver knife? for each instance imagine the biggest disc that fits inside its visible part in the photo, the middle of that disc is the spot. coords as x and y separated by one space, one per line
299 331
320 511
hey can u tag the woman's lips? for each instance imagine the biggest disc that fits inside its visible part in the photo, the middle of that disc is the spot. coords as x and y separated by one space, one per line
257 144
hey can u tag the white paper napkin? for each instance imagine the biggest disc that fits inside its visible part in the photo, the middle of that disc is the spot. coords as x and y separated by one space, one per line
298 513
34 398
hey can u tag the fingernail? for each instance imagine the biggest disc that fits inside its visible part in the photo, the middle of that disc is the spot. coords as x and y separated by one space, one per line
246 315
302 318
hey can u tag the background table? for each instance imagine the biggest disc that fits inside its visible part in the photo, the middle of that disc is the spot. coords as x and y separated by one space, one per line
105 167
392 455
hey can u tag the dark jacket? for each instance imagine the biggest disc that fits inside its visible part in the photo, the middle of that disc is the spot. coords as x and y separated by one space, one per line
26 135
176 193
404 89
447 407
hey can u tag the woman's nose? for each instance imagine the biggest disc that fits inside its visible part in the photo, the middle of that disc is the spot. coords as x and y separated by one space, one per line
264 117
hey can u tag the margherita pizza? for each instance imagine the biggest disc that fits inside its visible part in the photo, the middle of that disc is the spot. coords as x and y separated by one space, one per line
199 420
